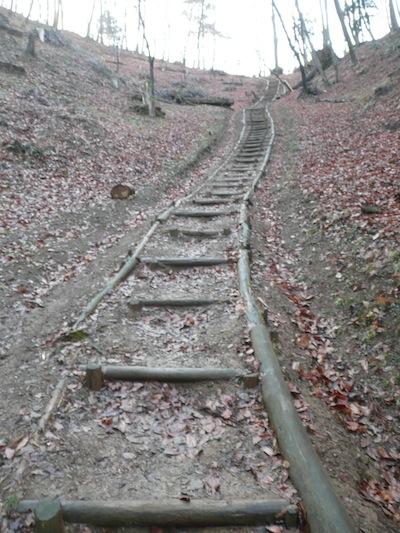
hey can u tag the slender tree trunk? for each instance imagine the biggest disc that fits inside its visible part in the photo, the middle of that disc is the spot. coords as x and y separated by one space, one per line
314 54
324 21
90 20
295 52
394 25
275 39
100 33
55 14
30 9
346 34
151 95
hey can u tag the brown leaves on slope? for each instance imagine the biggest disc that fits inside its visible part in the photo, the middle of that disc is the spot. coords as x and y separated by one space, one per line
347 179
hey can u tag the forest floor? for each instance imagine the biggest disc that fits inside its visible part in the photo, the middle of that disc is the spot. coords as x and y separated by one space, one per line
326 256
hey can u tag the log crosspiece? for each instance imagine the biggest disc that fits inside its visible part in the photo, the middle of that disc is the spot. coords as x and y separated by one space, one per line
173 513
174 375
185 262
205 233
210 201
227 193
203 214
138 303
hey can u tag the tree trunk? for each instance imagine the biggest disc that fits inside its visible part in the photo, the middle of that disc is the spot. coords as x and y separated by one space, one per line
30 9
317 62
295 52
275 40
90 20
346 34
394 25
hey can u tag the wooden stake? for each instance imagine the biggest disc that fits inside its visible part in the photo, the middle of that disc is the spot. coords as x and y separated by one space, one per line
94 377
49 517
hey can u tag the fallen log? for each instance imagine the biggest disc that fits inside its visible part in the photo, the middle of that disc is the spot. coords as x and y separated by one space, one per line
10 67
174 513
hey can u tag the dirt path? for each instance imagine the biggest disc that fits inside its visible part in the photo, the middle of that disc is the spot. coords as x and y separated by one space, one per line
197 442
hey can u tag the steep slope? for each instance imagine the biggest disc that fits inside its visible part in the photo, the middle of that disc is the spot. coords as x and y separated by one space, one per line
328 268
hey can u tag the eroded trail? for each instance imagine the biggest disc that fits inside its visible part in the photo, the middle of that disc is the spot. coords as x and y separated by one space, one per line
174 431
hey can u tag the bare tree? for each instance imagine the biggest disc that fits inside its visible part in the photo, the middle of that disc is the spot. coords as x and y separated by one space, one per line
100 26
150 90
30 9
346 34
326 37
294 50
276 67
357 14
89 26
394 25
200 14
306 36
58 13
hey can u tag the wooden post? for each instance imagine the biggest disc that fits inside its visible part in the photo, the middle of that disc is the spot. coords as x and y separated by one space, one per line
49 517
94 377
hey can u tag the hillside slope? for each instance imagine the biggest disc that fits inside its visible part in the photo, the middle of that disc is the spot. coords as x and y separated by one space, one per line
328 266
326 257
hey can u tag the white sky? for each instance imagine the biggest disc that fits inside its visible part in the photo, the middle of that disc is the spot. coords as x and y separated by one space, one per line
248 50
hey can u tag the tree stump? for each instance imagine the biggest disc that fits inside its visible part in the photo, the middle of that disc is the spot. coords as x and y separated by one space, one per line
122 192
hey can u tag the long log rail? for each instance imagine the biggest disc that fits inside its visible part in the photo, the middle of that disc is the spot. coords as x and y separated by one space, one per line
198 228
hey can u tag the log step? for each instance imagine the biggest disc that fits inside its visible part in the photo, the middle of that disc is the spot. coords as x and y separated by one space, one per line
205 233
138 303
204 214
186 261
210 201
227 193
173 513
162 374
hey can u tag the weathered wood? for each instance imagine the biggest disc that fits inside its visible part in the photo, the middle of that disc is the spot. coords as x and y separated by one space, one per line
169 375
186 261
227 193
205 233
49 517
371 209
250 381
53 403
10 67
138 303
120 276
214 101
210 201
122 191
171 512
203 214
166 214
94 377
325 512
